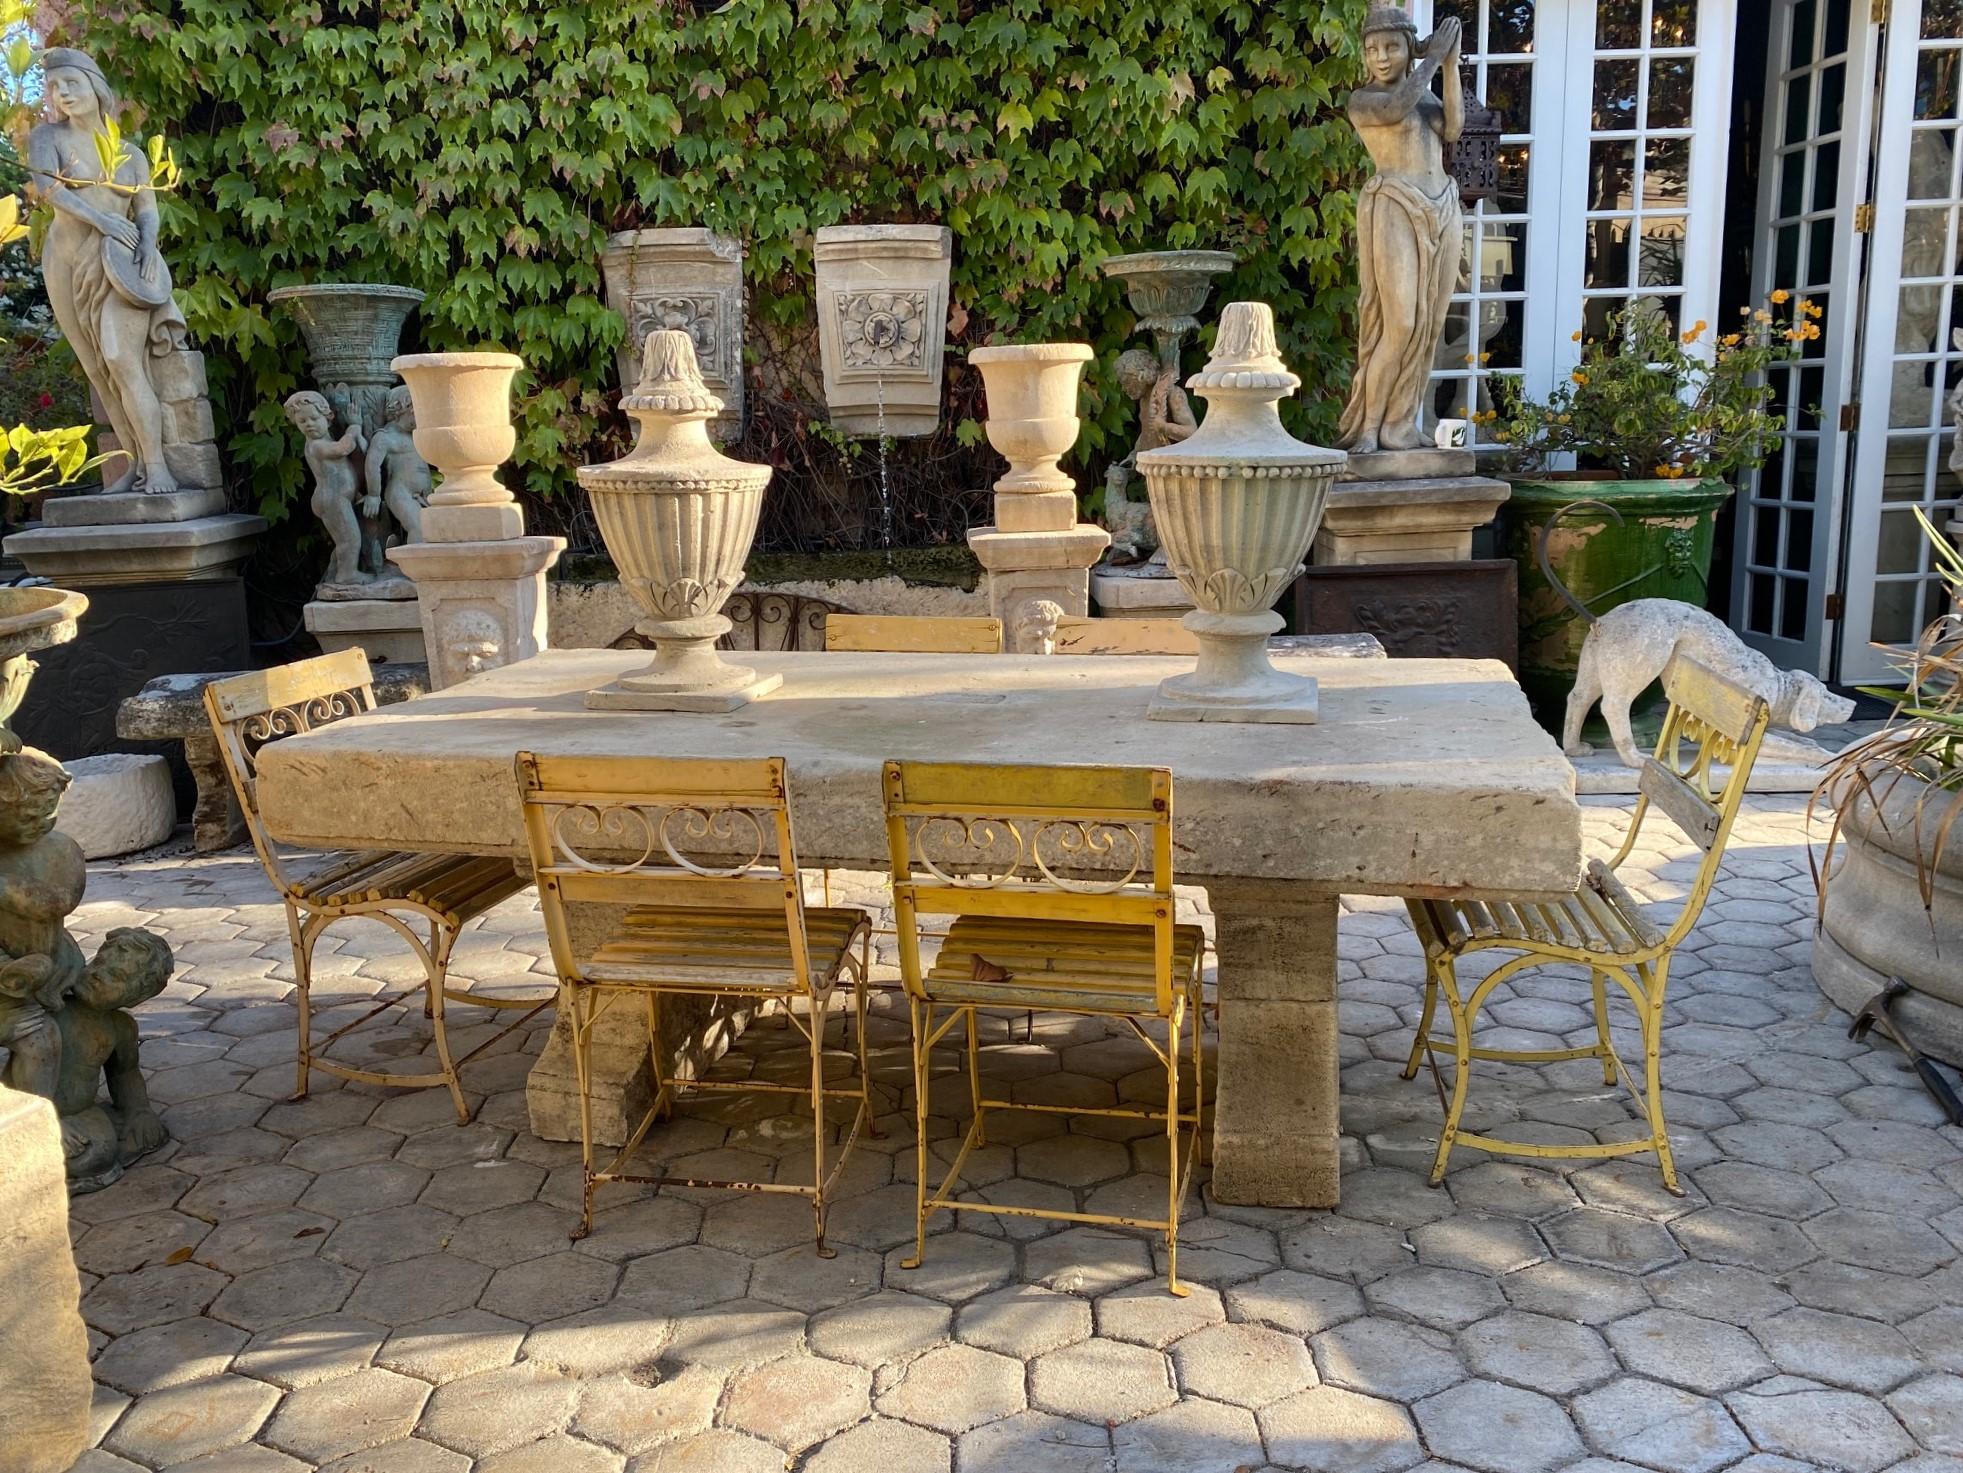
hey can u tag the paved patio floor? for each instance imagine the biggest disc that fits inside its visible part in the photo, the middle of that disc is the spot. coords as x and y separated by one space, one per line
356 1283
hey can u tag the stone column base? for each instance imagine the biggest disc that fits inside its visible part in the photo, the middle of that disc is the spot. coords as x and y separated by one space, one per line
1427 521
1276 1135
389 629
137 552
45 1385
482 604
1131 593
1031 565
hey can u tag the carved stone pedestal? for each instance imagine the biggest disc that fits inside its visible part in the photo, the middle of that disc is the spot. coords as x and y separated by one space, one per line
1135 593
1406 521
481 604
389 629
1030 565
688 279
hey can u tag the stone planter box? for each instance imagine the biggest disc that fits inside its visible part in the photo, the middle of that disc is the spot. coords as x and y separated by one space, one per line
691 280
882 325
1873 926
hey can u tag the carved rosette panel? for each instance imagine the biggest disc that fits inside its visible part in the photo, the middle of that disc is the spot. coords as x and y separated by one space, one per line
704 315
1236 536
881 332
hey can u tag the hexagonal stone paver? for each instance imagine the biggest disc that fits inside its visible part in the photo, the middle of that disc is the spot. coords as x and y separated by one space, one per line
954 1389
797 1401
889 1326
1291 1300
411 1455
1395 1198
1536 1351
1610 1240
308 1351
127 1244
150 1296
452 1346
798 1278
1575 1291
1749 1239
599 1342
1388 1358
884 1444
495 1411
741 1332
1072 1160
678 1280
347 1414
1192 1437
1035 1440
1932 1409
352 1190
1107 1381
1762 1189
1445 1298
164 1355
389 1236
641 1228
414 1289
1665 1427
507 1235
1023 1320
1838 1429
549 1288
481 1185
958 1266
1245 1365
718 1451
1839 1349
1888 1240
190 1419
1700 1355
624 1413
1341 1431
559 1454
263 1239
1500 1429
1478 1242
1086 1260
300 1289
1719 1291
244 1189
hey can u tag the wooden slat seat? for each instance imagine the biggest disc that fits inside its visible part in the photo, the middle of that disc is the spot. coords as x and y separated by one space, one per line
1601 918
455 886
1057 964
724 951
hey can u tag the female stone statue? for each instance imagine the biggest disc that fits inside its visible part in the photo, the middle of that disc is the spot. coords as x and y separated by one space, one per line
1408 226
107 281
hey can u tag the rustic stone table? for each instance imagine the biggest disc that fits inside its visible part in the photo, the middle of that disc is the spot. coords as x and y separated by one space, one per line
1424 777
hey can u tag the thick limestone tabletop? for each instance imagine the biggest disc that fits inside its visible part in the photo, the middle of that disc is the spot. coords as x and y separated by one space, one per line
1422 776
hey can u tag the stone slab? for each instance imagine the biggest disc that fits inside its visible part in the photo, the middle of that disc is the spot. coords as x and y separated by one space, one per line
1405 465
1131 594
1299 710
132 508
390 630
617 696
1429 519
204 547
45 1387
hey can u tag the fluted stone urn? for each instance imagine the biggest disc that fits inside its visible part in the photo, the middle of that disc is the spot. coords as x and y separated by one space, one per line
678 517
1237 505
351 329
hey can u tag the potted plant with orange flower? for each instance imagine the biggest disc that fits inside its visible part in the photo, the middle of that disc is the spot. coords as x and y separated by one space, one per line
1618 474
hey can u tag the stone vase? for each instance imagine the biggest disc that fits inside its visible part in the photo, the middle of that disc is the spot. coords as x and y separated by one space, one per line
1033 421
1237 505
463 429
1167 291
690 280
352 329
678 517
882 325
30 619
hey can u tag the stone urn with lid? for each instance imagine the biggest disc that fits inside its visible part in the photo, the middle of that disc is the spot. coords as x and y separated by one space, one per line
678 517
1237 505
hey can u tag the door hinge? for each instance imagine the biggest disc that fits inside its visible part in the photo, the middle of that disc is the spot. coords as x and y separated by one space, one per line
1863 218
1836 606
1850 415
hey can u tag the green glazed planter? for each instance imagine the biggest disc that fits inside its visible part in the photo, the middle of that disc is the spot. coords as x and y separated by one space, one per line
1660 549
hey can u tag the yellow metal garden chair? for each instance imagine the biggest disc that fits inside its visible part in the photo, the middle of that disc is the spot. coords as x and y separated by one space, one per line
1059 880
700 855
436 893
1710 723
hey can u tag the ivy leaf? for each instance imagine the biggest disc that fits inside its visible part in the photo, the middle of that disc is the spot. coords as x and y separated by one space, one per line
1014 119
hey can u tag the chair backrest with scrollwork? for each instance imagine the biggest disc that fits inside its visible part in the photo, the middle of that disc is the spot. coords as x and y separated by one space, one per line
1711 724
702 834
1061 844
249 711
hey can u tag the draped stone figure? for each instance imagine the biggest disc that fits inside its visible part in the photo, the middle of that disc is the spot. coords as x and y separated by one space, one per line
107 281
1408 226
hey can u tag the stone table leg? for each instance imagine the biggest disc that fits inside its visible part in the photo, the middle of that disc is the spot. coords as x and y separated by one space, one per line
216 822
1275 1133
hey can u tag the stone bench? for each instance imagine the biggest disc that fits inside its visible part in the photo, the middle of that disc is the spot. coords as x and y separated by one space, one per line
171 709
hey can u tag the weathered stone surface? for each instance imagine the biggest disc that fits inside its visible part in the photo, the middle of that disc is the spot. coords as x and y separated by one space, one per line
1195 1436
1661 1425
191 1418
333 1418
1104 1381
890 1446
797 1401
1341 1431
956 1388
1836 1428
1502 1429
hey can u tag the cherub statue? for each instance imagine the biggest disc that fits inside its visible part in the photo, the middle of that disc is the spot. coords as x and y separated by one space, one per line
398 476
42 875
98 1039
337 482
1165 417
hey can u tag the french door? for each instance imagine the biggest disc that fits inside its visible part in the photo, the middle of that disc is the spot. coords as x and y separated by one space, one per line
1615 117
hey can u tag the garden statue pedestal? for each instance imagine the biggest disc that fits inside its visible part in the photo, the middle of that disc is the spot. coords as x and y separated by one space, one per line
45 1386
389 628
882 325
480 582
685 279
1139 591
1036 548
1429 520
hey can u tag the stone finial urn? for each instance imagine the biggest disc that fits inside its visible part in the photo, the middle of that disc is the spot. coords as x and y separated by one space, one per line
1032 421
1237 505
678 517
464 430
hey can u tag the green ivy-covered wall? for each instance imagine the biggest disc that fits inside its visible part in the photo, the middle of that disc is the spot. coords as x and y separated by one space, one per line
483 149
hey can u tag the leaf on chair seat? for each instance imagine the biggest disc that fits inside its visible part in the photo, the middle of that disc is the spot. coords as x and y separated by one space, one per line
988 971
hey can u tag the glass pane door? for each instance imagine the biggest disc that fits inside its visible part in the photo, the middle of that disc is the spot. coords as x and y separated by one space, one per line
1911 359
1812 171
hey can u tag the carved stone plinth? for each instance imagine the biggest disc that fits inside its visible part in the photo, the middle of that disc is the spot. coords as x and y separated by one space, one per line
1135 593
389 629
684 279
482 604
882 325
1427 521
1031 565
198 550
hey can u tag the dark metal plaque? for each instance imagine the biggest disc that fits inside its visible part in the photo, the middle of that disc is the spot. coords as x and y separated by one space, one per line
1457 611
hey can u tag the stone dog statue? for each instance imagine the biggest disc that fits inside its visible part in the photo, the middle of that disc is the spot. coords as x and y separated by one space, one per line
1628 647
62 1020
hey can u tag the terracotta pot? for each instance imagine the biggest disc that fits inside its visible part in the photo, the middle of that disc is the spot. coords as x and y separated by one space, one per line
1873 926
1033 421
463 421
1237 505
